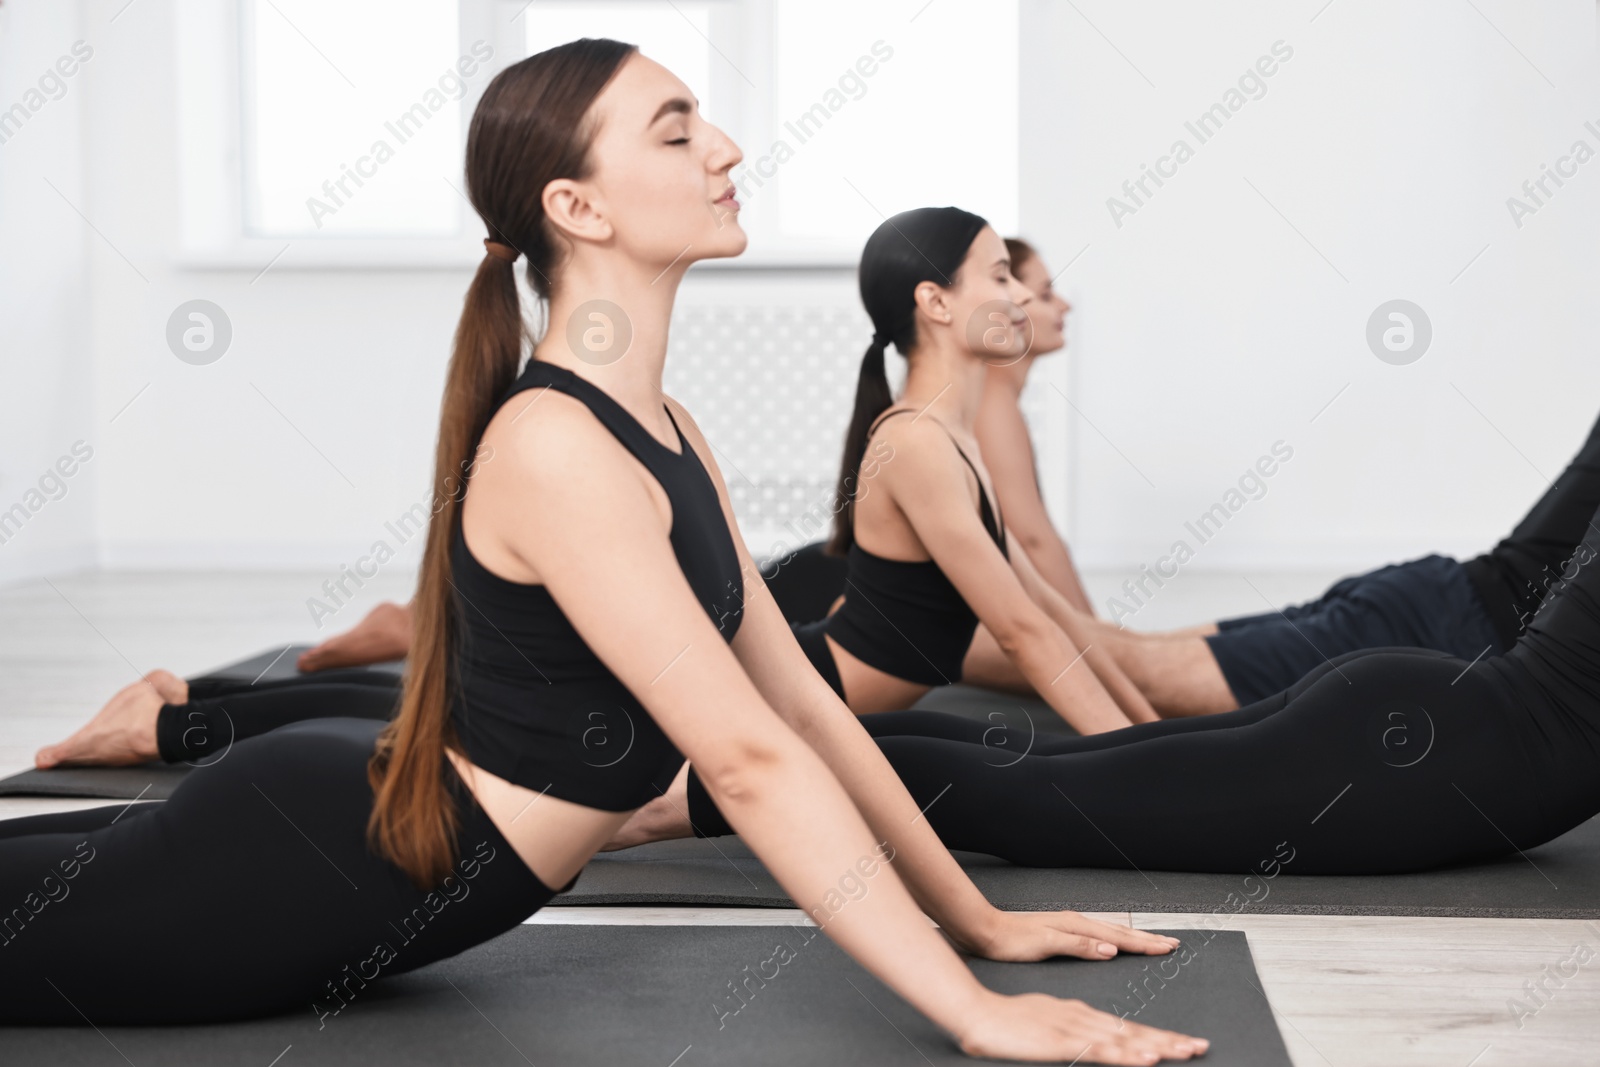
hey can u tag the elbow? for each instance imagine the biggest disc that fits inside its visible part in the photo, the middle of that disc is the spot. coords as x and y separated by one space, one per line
1030 539
741 770
1017 634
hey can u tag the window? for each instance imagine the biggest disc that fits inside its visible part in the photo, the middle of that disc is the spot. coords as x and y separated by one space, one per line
351 118
331 132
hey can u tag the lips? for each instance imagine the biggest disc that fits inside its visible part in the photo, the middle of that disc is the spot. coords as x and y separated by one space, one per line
729 198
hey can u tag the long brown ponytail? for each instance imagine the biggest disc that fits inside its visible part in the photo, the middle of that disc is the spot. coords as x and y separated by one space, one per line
528 130
926 244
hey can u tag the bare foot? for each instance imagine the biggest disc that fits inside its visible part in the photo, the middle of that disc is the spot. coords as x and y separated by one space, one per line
124 731
173 690
385 634
662 819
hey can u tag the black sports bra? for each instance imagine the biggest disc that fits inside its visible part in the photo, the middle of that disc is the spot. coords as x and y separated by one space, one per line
906 618
531 702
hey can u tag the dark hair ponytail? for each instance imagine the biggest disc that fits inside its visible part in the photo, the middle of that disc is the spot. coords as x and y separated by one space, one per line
927 244
529 129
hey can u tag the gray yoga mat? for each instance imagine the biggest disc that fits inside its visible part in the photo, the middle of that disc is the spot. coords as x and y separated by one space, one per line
660 995
148 781
1558 880
275 665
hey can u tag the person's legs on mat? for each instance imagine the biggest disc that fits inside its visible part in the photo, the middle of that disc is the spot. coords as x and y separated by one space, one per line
1517 574
383 634
149 720
1380 761
274 839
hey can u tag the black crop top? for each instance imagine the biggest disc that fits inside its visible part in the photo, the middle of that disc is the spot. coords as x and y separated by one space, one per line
530 701
906 618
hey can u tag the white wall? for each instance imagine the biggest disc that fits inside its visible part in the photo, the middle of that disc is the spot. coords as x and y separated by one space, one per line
1207 328
45 372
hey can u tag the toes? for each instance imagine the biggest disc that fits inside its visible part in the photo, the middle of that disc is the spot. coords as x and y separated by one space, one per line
171 688
47 757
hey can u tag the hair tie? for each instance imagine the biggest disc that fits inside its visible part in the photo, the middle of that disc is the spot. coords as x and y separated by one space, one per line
499 250
880 339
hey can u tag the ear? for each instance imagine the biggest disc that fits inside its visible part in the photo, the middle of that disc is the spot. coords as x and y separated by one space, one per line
933 301
573 209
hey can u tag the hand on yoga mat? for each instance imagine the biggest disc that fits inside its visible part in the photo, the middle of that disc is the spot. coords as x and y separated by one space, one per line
1039 1028
383 635
1030 936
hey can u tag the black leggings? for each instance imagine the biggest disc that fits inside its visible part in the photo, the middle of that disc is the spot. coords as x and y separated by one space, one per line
264 855
1379 761
220 713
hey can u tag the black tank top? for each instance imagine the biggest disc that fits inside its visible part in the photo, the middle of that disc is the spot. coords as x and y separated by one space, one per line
531 702
906 618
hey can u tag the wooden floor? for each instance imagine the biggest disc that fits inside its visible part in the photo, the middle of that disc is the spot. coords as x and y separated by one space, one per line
1348 991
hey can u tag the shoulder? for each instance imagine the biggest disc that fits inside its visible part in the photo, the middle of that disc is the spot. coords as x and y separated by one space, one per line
910 447
544 435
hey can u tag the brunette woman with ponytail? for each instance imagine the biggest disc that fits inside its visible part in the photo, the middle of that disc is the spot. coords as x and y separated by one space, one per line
927 553
582 594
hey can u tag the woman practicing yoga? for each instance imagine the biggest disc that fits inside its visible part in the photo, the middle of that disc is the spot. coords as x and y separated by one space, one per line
587 581
1377 762
923 566
935 559
1472 609
1469 609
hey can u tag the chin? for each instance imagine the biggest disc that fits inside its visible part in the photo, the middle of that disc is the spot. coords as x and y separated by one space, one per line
728 241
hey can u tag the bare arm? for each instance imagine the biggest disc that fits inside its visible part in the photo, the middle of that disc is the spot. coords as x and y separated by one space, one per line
1008 453
927 482
1081 629
576 509
766 647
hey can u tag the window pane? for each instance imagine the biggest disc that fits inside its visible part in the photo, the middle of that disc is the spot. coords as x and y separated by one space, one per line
352 122
933 123
674 35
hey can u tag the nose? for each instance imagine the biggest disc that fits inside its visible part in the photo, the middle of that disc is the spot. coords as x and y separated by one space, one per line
724 154
1020 294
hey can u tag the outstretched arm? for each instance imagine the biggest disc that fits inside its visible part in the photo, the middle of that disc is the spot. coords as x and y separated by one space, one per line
927 482
586 521
1008 453
1082 629
766 647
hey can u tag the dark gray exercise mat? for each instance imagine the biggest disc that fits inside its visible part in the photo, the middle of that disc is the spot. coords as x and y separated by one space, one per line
664 995
275 665
148 781
1558 880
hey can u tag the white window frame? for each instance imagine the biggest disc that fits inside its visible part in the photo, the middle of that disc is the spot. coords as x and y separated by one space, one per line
211 150
211 68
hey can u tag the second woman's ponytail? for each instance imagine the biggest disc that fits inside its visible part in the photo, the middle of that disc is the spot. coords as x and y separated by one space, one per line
873 397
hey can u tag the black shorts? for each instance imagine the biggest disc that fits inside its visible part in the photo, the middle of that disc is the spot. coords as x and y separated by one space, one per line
1425 603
